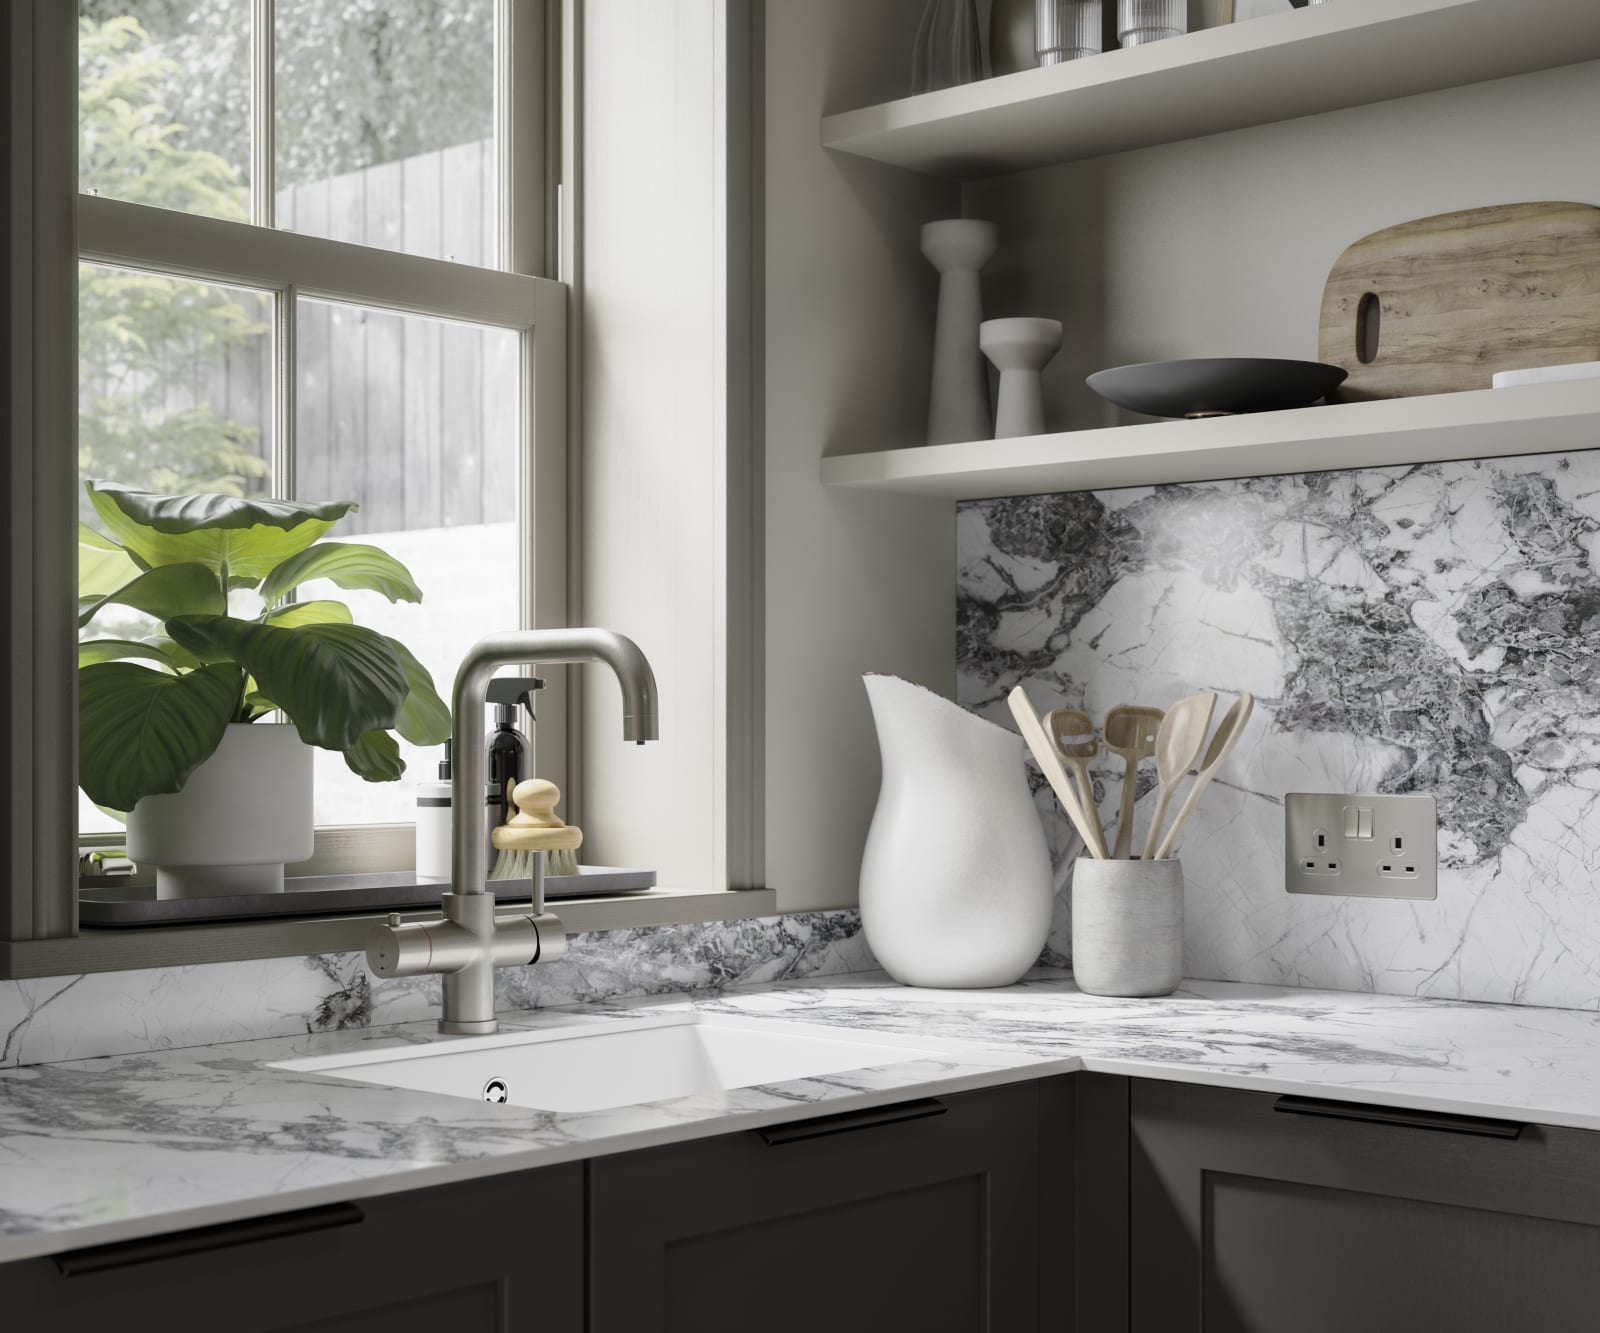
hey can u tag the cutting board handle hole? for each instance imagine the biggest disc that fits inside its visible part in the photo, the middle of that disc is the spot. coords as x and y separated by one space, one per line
1369 318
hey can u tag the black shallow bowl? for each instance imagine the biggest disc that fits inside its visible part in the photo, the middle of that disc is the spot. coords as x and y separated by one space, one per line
1216 386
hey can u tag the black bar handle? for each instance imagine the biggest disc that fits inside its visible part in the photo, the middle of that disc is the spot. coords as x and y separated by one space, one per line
202 1240
1401 1116
850 1121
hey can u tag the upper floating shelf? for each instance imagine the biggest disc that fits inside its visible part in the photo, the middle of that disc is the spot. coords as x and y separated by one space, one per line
1486 423
1321 58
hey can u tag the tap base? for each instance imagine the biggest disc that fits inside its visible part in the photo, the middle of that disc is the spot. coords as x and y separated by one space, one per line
458 1028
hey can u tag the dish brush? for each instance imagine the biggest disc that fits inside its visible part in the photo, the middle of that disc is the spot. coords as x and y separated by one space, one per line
535 828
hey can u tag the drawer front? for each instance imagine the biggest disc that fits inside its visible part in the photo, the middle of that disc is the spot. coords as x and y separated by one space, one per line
1252 1213
457 1257
924 1215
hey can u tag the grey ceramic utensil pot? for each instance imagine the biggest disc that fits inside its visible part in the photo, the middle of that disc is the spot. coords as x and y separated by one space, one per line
1127 927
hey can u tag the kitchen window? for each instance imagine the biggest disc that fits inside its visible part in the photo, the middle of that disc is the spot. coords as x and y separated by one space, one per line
310 241
266 246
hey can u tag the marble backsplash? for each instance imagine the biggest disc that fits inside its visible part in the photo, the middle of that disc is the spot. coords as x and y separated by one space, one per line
1413 629
121 1013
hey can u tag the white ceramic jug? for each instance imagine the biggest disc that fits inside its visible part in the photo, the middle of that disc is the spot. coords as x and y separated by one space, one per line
956 881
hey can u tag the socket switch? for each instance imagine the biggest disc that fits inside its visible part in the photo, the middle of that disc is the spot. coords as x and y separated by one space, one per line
1362 846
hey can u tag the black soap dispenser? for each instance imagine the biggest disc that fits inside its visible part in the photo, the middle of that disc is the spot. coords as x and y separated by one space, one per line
510 755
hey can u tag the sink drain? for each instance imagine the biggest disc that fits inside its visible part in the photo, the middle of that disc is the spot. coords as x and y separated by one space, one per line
495 1090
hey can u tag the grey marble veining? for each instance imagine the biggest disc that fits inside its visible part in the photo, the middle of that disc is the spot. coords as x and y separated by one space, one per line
1419 629
97 1150
115 1013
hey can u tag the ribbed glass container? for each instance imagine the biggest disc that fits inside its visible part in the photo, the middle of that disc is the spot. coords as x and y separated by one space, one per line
1142 21
1066 29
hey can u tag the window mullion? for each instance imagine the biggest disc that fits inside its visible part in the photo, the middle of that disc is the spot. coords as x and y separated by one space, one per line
263 166
521 150
283 405
214 249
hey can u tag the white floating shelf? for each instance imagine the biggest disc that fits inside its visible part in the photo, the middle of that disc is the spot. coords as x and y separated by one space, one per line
1322 58
1486 423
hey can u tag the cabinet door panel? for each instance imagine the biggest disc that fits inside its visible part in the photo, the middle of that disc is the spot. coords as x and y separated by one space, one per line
1288 1256
503 1255
907 1260
465 1310
929 1223
1248 1220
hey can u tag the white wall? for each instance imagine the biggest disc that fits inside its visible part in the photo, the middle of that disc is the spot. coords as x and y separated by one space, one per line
651 424
1220 246
853 583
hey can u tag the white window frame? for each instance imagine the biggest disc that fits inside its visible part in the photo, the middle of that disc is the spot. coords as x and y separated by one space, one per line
39 49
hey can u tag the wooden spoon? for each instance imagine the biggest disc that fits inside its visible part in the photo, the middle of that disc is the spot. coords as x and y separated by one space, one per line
1072 732
1130 733
1178 742
1044 755
1228 732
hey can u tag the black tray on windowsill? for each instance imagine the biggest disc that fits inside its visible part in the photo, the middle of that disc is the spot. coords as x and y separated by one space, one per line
319 895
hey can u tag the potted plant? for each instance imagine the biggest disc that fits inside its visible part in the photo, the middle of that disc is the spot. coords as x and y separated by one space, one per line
171 724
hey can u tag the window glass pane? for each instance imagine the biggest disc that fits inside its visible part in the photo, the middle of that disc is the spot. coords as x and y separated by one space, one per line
175 393
164 103
385 124
417 421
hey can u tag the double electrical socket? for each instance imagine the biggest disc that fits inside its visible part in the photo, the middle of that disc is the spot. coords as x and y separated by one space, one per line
1361 846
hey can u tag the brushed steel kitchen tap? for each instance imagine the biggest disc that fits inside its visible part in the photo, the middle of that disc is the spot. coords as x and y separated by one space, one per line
467 943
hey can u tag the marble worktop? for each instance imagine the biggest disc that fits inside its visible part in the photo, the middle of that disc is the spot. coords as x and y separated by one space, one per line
93 1151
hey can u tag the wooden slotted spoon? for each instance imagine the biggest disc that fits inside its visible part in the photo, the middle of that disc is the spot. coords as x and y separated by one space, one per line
1228 732
1073 733
1178 744
1130 734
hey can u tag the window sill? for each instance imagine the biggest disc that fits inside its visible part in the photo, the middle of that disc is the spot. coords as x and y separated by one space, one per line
182 946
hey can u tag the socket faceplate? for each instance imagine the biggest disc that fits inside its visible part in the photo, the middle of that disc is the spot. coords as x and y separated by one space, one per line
1361 846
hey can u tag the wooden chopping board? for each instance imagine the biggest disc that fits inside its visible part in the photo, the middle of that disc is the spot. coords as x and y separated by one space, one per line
1462 295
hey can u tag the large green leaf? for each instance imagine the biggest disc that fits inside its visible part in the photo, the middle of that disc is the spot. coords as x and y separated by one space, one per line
424 719
103 566
334 682
309 613
376 757
154 650
167 591
250 537
349 565
143 732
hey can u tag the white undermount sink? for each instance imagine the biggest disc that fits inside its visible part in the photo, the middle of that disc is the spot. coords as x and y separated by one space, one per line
596 1065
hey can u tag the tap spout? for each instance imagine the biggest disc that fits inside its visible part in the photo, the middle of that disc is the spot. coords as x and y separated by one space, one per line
548 647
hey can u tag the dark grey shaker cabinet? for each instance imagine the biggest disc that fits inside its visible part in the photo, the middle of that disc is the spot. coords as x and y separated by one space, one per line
503 1255
1257 1214
919 1216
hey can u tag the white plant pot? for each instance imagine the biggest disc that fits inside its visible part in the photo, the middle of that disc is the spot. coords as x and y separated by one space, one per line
1127 927
955 880
240 817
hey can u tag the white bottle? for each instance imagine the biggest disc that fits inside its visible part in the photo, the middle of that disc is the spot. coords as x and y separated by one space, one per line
433 825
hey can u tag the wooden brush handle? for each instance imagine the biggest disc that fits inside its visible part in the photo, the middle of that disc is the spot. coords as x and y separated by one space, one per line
536 827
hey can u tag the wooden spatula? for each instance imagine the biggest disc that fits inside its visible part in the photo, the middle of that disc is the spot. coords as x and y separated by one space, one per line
1178 744
1229 730
1072 732
1131 733
1044 755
